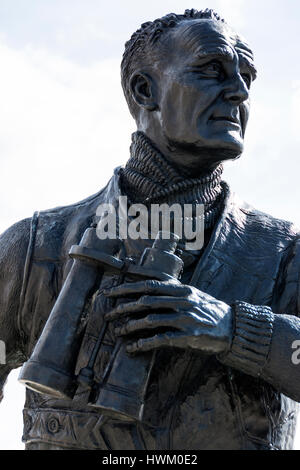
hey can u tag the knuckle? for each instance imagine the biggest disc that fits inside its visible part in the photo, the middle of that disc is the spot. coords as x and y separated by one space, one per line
149 284
188 290
149 319
129 326
152 285
144 299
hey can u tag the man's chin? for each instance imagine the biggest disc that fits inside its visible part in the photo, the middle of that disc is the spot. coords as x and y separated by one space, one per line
214 153
209 157
224 153
230 149
199 158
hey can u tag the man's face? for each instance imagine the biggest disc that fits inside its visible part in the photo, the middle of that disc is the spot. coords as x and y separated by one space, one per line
203 81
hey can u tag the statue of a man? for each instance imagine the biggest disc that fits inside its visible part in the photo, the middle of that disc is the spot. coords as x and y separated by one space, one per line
226 375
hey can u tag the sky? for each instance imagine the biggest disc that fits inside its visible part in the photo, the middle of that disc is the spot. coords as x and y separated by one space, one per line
64 123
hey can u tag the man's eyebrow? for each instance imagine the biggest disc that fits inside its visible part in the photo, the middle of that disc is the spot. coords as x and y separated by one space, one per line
227 54
246 56
245 61
205 55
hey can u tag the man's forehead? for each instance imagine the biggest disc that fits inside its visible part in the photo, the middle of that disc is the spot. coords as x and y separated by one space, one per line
209 37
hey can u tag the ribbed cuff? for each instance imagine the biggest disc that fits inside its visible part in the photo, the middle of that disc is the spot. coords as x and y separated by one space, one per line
253 326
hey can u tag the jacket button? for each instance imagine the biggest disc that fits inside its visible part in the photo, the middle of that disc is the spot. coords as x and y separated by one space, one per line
53 425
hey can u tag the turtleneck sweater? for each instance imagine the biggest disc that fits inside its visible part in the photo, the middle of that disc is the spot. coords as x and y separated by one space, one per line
148 178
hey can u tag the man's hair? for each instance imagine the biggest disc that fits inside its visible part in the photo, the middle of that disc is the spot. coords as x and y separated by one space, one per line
139 46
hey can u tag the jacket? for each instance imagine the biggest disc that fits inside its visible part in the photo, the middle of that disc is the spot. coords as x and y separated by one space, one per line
195 401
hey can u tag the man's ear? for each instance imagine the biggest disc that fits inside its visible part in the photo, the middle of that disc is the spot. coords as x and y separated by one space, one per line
144 91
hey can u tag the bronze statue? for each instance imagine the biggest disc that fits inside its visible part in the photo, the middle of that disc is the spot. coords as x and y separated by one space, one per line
130 343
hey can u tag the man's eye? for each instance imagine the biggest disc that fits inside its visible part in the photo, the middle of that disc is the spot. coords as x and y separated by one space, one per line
247 79
209 70
213 68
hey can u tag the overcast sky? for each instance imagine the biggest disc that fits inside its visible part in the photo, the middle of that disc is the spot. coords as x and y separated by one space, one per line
64 123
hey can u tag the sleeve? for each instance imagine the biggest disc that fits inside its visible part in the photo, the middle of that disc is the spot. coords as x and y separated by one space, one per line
14 245
265 338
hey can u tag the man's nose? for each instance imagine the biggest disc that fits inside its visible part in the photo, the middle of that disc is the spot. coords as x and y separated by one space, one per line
236 90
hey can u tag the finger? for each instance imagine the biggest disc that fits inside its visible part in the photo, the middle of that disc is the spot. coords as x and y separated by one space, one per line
149 286
150 322
157 341
146 303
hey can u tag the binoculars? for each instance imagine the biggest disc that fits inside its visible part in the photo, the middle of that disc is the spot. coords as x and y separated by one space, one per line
51 368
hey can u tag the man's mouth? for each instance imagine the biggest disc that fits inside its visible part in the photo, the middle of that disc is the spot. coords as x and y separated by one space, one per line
226 119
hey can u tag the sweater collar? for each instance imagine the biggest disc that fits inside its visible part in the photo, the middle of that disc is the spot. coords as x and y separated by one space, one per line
149 178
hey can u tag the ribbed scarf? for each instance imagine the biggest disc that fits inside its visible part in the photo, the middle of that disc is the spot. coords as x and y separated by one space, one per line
149 178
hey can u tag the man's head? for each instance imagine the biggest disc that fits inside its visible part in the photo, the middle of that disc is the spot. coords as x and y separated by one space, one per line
186 79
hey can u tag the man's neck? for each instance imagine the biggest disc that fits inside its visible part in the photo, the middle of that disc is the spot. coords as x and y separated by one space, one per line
149 178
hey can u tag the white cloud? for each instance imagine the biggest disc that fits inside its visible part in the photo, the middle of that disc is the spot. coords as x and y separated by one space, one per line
59 123
295 114
233 11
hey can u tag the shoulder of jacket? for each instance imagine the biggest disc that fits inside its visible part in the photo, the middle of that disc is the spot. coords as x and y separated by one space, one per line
266 224
59 228
73 208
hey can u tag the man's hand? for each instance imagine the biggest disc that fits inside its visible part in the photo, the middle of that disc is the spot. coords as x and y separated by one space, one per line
189 318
